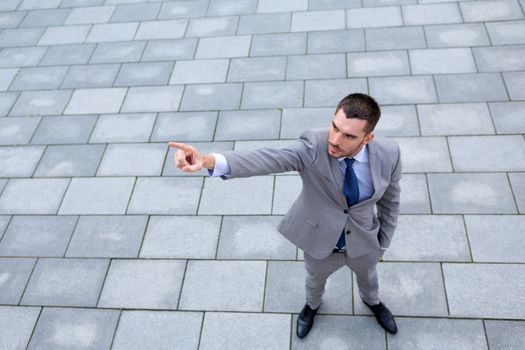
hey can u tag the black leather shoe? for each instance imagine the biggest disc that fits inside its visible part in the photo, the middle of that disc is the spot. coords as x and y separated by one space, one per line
305 321
384 317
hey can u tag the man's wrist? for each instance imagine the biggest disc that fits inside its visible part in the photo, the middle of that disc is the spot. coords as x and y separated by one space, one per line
208 161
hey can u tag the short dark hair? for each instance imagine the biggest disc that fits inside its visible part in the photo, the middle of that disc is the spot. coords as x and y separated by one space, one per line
361 106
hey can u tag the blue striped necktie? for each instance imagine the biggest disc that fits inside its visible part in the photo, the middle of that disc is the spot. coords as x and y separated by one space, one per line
351 192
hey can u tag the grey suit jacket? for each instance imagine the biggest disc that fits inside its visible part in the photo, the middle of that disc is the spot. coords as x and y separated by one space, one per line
320 213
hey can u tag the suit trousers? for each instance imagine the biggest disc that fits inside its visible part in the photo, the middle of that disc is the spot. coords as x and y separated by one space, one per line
364 267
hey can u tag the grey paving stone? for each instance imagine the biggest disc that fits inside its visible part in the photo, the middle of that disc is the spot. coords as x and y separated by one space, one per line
470 87
56 282
38 4
439 334
253 145
491 10
403 90
415 194
118 52
336 41
485 290
333 4
17 130
59 129
171 29
6 77
15 274
6 102
91 76
398 121
365 64
152 99
278 44
316 67
253 237
455 119
410 289
456 35
504 334
204 287
183 9
37 236
97 196
71 160
244 125
143 284
235 197
74 3
166 196
214 26
112 32
265 6
39 78
273 95
257 69
188 237
158 329
92 14
42 18
200 71
32 196
211 97
9 5
287 189
64 35
41 102
21 56
444 239
264 23
484 193
104 100
131 74
374 17
185 126
231 7
16 325
498 59
20 37
162 50
517 181
328 93
377 3
223 47
508 32
285 289
318 20
135 12
442 61
507 117
271 331
64 328
123 128
12 19
498 153
67 54
431 14
396 38
132 160
515 83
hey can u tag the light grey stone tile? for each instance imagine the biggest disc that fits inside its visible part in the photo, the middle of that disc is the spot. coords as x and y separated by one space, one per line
41 102
515 83
470 87
490 10
364 64
16 325
92 14
439 333
253 145
123 128
328 93
484 193
498 59
273 95
488 153
97 196
410 289
171 29
152 99
265 6
374 17
415 194
20 37
257 69
118 52
507 117
236 197
131 74
456 35
135 12
272 331
204 287
143 284
12 19
287 189
71 160
213 26
333 4
15 274
223 47
91 76
431 14
403 90
132 160
285 289
39 78
396 38
183 9
318 20
64 35
32 196
231 7
316 67
248 125
37 236
254 237
67 54
6 77
485 290
517 181
503 335
264 23
163 50
105 100
64 328
75 3
377 3
158 329
278 44
211 97
112 32
9 5
442 61
200 71
454 119
56 282
507 33
16 57
185 126
59 129
166 196
188 237
17 130
398 121
39 4
6 102
336 41
118 2
42 18
444 239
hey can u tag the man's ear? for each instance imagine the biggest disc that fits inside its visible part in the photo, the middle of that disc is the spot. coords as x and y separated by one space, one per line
368 138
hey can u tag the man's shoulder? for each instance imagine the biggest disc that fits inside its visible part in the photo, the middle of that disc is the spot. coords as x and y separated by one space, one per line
385 146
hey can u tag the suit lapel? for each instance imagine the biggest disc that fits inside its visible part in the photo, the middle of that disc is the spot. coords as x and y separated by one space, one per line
375 171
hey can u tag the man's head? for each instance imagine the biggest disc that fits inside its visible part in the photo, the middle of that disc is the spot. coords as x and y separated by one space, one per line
354 121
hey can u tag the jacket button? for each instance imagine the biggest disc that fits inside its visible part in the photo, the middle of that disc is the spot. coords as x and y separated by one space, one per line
348 232
346 211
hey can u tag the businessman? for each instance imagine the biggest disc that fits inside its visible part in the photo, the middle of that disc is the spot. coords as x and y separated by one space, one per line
346 171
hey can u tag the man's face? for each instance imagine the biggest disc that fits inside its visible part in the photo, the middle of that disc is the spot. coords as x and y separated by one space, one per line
347 136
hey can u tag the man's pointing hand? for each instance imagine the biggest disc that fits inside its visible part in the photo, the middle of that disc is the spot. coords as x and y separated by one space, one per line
189 159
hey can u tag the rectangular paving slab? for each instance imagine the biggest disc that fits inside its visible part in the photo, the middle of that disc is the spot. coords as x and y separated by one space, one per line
33 196
133 159
123 128
16 326
14 273
70 160
19 161
185 126
64 130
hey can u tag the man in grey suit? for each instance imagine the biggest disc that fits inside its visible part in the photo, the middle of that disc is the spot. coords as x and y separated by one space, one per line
346 172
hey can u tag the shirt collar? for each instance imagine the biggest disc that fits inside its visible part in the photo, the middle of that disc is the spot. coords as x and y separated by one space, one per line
361 157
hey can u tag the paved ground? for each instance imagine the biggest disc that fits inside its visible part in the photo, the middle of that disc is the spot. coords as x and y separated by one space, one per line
104 245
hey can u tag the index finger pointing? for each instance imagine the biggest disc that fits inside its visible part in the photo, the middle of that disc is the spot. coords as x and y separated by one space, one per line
179 145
